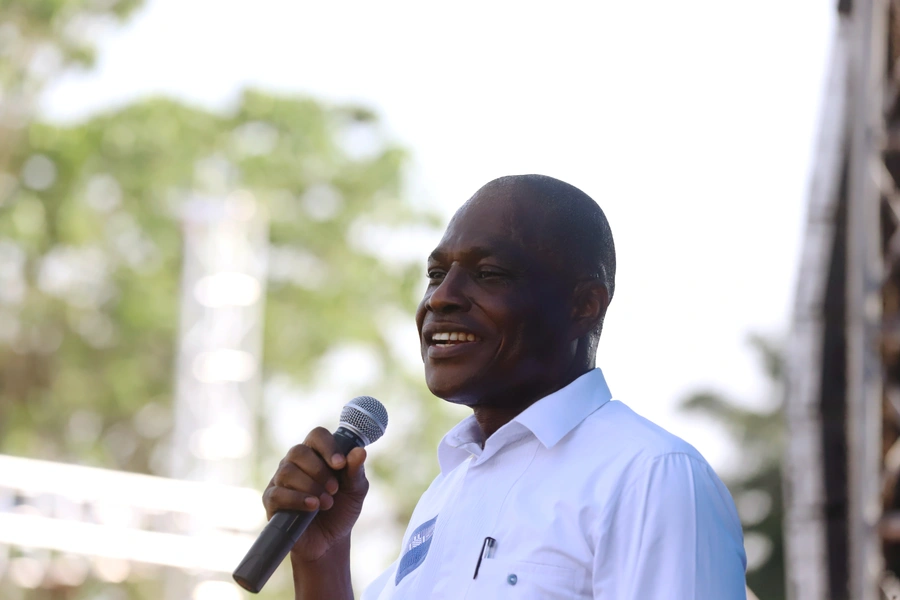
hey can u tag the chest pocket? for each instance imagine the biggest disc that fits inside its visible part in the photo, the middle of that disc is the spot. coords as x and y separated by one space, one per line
500 579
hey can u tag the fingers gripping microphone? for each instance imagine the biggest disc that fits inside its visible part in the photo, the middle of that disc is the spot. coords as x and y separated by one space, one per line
363 421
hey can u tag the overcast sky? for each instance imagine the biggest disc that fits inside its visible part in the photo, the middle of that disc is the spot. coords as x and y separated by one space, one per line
691 123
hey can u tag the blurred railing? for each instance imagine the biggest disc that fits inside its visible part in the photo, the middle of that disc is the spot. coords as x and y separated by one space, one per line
127 516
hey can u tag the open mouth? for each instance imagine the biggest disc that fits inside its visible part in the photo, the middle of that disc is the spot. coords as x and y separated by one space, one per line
446 339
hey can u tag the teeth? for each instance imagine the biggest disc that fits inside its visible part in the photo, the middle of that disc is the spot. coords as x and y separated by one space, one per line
454 336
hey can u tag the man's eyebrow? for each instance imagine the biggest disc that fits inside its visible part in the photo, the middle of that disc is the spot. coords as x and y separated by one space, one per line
477 252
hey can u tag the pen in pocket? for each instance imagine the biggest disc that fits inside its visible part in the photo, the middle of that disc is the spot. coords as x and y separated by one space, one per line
487 551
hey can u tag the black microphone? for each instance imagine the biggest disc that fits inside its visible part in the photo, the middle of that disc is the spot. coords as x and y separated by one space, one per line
363 421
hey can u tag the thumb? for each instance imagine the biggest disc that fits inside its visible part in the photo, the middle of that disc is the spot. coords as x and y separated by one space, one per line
355 473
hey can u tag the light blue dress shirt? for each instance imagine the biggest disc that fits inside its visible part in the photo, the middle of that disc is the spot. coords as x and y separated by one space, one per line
585 499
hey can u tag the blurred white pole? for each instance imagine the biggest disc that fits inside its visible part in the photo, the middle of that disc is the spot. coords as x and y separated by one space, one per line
217 395
222 293
864 275
223 506
113 514
213 552
806 547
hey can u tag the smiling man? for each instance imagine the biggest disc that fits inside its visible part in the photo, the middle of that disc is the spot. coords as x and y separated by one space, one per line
550 489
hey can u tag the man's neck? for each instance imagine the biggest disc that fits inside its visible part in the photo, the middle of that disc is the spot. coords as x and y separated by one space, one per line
490 418
493 416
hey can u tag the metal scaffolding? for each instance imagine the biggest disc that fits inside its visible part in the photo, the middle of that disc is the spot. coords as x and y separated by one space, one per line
219 355
843 407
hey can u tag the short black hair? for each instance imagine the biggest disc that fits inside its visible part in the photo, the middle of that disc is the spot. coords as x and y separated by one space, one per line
587 240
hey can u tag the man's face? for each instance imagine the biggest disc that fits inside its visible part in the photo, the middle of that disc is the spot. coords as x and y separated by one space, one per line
493 319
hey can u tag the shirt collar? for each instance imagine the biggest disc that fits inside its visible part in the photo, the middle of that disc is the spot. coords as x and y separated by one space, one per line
549 419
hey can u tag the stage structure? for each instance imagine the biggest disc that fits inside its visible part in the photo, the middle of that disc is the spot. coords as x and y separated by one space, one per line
109 522
64 521
217 380
842 498
219 356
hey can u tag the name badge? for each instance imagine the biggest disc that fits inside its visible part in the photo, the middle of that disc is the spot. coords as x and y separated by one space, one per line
416 549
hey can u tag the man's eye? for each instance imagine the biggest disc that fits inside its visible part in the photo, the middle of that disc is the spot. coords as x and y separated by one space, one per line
487 274
434 274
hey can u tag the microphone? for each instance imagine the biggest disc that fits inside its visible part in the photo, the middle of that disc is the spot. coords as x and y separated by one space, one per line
363 420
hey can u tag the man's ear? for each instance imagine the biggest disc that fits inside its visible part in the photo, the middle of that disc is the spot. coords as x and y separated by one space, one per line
589 303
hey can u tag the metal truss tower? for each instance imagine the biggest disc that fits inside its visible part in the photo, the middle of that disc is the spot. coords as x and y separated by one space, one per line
217 374
219 355
843 406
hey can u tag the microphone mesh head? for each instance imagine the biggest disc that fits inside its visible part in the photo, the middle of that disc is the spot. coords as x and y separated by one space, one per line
367 416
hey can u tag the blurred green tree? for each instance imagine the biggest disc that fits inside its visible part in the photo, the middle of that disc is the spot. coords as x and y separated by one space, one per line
756 484
91 254
39 40
91 242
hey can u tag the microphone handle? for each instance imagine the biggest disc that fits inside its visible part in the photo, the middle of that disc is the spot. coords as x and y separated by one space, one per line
282 532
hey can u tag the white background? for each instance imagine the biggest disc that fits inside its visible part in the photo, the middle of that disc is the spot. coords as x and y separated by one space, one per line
691 123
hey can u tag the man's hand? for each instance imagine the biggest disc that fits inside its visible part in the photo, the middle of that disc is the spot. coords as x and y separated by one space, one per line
315 476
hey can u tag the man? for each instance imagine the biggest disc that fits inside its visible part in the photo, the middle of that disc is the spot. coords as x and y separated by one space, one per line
550 489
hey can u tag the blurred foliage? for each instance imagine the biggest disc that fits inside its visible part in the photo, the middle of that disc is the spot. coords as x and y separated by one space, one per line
756 487
90 234
65 28
91 256
39 40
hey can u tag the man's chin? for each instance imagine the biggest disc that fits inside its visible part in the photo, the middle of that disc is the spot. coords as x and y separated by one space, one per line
455 391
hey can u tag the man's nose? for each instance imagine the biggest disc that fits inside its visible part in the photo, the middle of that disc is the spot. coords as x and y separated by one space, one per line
450 294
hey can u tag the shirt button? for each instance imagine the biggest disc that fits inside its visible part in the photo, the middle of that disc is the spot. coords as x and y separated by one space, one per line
512 579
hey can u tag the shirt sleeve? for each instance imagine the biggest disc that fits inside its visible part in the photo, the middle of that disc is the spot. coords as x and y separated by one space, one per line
674 534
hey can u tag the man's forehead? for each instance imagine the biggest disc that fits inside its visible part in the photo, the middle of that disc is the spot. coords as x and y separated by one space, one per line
502 212
485 228
491 229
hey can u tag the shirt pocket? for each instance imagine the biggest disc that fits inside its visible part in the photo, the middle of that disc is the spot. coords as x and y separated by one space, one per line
518 580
